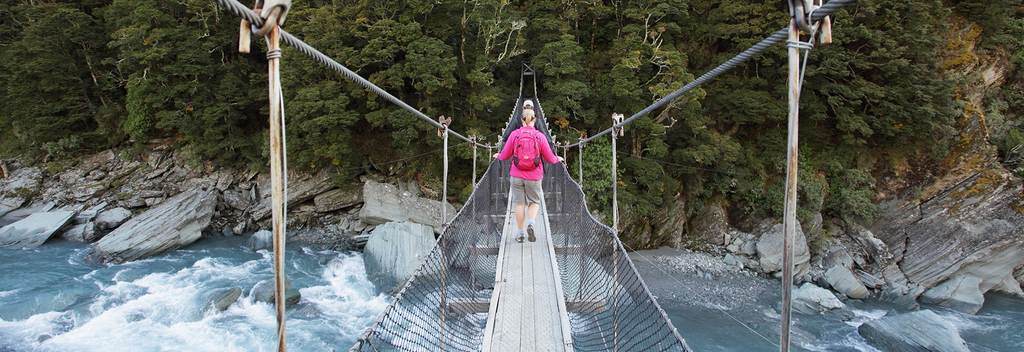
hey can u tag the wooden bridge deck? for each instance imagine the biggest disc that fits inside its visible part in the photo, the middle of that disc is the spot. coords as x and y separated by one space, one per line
527 310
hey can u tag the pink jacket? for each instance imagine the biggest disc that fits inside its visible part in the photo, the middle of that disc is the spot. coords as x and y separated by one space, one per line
545 152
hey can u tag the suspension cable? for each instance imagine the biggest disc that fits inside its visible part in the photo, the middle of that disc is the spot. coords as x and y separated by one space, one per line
239 9
778 37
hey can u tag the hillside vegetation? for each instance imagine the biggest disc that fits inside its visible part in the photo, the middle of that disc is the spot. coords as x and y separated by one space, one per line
878 104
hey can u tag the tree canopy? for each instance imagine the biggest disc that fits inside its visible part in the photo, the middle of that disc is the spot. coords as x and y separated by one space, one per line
80 76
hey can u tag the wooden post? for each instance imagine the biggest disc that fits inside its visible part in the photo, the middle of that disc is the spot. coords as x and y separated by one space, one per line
789 219
278 180
473 138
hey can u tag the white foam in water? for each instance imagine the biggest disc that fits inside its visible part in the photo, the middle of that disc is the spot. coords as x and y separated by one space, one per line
170 311
864 316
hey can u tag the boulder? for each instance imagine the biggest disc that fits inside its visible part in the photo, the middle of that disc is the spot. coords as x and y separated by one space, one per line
382 203
913 332
262 239
904 296
336 199
961 293
223 298
81 233
32 231
769 249
89 214
394 251
839 257
301 187
177 222
842 280
264 291
17 189
112 218
811 299
236 200
869 280
711 226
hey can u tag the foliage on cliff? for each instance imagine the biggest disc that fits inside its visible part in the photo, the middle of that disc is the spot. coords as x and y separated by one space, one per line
88 75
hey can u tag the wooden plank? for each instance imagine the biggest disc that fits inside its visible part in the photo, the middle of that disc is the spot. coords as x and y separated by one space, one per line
492 331
528 329
595 305
566 333
483 250
572 249
469 305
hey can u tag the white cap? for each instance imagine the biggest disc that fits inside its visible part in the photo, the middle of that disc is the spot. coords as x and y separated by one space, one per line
528 103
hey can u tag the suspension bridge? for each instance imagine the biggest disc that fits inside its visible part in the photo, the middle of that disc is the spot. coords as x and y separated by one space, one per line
480 290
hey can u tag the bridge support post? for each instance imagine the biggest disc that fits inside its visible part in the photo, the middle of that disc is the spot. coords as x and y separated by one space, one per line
616 132
583 139
279 177
473 139
789 218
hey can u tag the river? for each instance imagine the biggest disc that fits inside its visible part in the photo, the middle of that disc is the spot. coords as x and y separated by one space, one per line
52 300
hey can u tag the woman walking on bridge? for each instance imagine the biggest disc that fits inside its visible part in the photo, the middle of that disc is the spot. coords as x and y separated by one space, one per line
525 146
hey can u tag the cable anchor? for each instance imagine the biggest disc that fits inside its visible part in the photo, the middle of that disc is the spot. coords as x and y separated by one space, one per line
271 18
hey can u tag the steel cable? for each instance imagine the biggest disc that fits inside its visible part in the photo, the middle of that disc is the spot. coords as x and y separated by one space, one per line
778 37
239 9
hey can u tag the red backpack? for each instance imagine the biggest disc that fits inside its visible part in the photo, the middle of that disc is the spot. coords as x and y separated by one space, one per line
526 156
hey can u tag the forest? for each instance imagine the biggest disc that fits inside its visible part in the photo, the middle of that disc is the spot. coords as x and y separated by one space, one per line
80 76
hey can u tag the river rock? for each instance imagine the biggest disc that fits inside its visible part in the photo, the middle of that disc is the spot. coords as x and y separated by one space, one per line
869 280
21 186
301 187
842 279
32 231
913 332
394 251
382 203
839 257
176 223
337 199
769 249
89 214
961 293
223 298
811 299
81 233
112 218
236 200
265 292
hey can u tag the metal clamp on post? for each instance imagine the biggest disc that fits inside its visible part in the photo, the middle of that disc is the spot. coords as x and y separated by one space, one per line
802 12
274 13
798 11
444 125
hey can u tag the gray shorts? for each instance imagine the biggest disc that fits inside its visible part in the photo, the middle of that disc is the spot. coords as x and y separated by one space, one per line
525 191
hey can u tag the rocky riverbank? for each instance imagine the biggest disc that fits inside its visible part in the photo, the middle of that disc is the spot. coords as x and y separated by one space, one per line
132 206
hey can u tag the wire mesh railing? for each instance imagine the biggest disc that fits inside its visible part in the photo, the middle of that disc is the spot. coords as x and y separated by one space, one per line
610 307
458 271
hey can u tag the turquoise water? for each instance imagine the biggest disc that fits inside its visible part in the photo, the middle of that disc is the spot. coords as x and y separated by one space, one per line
52 300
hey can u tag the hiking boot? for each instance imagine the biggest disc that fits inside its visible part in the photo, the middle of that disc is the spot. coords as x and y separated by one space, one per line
529 230
519 238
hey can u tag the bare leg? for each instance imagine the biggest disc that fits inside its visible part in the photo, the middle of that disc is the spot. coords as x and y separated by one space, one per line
519 216
534 209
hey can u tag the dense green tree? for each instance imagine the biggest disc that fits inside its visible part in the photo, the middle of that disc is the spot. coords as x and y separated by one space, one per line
60 97
183 78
